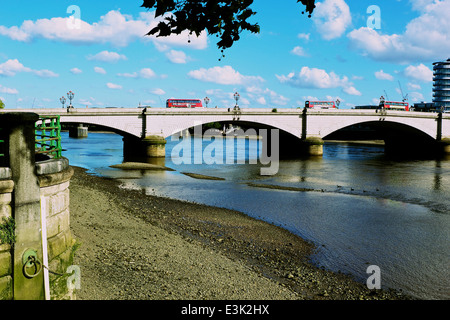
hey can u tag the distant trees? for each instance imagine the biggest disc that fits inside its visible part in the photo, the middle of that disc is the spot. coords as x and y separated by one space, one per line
2 105
225 19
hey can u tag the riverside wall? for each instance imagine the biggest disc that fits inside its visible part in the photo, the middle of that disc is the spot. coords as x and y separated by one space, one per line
54 179
36 244
6 189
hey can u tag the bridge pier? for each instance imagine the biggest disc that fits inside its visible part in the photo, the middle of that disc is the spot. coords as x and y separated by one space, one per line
293 147
153 146
443 146
312 146
78 132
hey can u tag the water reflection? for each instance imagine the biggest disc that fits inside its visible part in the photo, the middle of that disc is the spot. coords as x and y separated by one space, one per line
373 210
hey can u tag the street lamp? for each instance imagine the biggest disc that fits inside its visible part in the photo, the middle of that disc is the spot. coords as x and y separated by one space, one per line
338 102
207 100
236 97
63 101
70 95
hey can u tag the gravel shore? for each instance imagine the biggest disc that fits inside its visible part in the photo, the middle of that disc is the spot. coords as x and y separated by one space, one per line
134 246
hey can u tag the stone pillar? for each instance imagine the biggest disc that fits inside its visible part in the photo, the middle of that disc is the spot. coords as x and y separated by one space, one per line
6 189
312 146
25 203
444 146
78 132
54 180
154 146
309 145
135 149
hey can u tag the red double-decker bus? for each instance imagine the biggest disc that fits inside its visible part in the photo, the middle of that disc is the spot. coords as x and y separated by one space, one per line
184 103
394 105
320 104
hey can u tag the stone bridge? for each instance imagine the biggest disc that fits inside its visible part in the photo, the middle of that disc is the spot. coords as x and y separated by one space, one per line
146 128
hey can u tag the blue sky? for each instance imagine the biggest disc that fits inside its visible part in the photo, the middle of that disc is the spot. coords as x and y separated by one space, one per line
344 51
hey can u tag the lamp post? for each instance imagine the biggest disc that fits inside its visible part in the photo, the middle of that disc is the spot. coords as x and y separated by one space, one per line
236 97
236 109
207 100
70 95
338 102
63 101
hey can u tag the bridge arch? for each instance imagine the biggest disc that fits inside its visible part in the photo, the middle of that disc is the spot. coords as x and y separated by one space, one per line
386 130
101 127
289 143
246 125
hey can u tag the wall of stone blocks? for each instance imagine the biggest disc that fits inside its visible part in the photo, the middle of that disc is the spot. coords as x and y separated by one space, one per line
6 188
54 193
55 200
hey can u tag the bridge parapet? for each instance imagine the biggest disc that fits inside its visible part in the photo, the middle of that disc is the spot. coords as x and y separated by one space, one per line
138 123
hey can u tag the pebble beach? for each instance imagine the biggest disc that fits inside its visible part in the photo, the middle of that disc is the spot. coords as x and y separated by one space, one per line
133 246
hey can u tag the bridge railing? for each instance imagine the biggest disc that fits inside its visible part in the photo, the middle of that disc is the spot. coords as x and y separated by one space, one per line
48 136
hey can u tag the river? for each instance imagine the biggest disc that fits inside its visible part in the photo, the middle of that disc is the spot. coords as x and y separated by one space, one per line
364 208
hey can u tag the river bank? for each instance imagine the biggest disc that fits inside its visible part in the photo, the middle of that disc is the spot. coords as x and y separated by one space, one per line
137 246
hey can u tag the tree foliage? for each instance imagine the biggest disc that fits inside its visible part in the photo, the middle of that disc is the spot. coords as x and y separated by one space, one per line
225 19
2 105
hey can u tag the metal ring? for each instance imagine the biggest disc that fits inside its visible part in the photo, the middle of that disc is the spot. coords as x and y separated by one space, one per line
34 261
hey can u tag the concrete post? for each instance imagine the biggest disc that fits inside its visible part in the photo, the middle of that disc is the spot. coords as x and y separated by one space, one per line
25 203
144 149
154 146
312 146
443 146
309 145
443 143
78 132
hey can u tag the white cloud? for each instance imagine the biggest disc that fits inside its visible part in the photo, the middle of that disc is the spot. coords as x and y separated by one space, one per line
225 97
414 86
85 102
8 90
332 18
114 27
175 56
128 75
259 94
145 73
76 71
45 74
261 100
381 75
251 96
419 72
421 4
318 78
303 36
426 37
99 70
299 51
222 75
107 56
352 91
11 67
416 96
308 98
113 86
158 91
334 98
